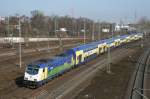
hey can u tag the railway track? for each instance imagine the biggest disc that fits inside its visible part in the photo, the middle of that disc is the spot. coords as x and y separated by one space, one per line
61 86
9 66
28 57
146 87
27 52
137 84
66 88
62 91
53 86
12 52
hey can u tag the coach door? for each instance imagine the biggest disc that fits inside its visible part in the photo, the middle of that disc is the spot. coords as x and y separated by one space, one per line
80 58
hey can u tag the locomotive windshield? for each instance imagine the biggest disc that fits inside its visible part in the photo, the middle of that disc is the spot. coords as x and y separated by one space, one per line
32 69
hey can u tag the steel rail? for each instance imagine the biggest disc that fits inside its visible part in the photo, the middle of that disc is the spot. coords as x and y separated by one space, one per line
138 82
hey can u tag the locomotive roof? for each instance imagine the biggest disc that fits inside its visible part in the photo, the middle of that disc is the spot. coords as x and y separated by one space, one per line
50 61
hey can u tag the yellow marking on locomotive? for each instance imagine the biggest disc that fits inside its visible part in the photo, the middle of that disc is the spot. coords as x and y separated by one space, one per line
43 73
78 53
46 72
72 61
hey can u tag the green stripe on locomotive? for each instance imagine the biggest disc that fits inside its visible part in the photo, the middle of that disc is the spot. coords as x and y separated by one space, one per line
60 69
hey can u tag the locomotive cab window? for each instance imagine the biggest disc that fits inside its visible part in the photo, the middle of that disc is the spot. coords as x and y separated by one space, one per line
32 69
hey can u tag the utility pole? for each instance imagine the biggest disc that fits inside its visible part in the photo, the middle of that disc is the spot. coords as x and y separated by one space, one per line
79 29
99 30
135 16
112 30
109 54
37 41
142 45
73 26
93 32
8 27
84 30
109 62
60 41
20 50
55 26
8 30
48 41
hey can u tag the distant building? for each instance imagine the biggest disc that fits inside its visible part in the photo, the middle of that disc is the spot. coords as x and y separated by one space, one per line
2 19
107 27
62 32
105 30
127 27
24 19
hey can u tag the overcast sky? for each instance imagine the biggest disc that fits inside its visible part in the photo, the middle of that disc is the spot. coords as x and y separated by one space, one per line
104 10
